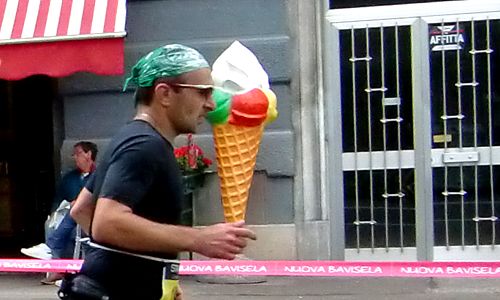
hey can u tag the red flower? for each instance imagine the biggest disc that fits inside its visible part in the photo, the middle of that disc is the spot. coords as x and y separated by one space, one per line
207 161
179 152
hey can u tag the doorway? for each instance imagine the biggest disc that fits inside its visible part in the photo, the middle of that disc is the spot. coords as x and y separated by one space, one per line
419 135
26 161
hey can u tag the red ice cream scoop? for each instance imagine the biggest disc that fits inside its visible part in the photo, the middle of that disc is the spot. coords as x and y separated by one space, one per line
249 109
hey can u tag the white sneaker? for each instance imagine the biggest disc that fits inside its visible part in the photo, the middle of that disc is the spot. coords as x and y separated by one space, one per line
41 251
58 283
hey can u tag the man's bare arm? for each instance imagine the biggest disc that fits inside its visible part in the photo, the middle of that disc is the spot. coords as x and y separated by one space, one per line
82 209
115 224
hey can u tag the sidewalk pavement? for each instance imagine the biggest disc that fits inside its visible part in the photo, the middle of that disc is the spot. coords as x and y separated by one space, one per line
24 286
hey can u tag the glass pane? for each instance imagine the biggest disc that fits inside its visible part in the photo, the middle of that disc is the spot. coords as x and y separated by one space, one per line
360 3
394 216
362 112
454 218
453 67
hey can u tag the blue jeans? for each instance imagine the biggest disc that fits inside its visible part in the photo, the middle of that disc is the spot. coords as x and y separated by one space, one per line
62 240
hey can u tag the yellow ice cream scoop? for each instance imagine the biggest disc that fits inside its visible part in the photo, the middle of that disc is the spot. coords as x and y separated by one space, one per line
272 111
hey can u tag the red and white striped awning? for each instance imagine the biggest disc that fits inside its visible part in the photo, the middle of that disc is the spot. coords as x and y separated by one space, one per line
61 37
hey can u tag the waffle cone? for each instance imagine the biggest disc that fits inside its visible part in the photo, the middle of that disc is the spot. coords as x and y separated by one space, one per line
236 148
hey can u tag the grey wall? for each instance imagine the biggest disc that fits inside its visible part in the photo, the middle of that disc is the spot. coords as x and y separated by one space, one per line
94 107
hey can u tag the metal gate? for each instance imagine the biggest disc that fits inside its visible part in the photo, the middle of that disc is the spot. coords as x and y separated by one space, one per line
418 95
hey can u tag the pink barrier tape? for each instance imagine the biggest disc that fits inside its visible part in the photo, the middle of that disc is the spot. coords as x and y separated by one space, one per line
39 265
289 268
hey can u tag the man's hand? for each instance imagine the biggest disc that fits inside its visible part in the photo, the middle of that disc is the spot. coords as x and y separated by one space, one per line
224 240
179 295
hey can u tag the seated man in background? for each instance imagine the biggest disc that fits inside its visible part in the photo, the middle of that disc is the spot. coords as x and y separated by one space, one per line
60 240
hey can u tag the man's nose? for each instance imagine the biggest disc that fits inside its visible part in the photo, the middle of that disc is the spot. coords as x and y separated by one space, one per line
210 104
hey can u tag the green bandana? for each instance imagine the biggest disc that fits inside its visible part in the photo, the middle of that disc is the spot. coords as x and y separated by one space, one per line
167 61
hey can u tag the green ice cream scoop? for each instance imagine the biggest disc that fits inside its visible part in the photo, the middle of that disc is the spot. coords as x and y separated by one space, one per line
222 106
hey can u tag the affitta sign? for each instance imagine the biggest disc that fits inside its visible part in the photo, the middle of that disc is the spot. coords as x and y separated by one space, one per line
446 37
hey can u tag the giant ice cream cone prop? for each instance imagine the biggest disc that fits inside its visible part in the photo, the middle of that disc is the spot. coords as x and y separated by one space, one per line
237 148
243 106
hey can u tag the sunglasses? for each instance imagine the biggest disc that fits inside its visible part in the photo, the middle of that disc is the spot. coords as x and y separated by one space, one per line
205 90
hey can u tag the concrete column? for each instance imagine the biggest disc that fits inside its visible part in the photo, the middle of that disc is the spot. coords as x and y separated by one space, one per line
311 232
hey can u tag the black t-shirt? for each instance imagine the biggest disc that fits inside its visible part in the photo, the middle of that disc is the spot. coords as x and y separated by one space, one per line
139 170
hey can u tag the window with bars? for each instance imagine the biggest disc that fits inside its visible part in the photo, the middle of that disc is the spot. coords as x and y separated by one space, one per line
363 3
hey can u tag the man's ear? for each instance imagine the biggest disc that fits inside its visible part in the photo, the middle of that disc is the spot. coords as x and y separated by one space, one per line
163 93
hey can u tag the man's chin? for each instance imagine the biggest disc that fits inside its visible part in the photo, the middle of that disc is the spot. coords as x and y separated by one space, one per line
188 130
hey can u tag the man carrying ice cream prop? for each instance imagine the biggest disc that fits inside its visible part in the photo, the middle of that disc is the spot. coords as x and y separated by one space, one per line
244 104
131 208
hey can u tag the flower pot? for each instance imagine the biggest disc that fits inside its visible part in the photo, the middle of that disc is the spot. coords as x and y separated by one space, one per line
192 181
